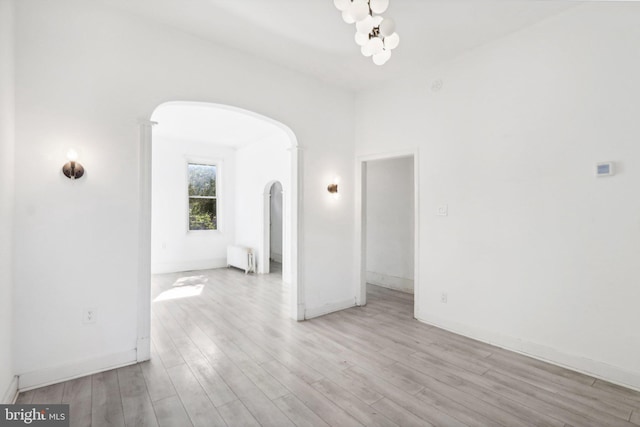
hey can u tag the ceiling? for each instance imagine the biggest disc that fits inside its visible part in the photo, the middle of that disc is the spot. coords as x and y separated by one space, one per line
208 123
310 36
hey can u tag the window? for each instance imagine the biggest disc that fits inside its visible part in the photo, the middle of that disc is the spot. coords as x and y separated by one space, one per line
203 202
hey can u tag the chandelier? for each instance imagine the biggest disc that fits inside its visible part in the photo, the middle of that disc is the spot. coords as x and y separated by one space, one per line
375 35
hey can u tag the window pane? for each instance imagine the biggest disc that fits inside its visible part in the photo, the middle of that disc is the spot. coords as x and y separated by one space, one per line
202 214
202 180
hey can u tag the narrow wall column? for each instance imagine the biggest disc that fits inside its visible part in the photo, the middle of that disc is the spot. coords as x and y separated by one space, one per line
143 345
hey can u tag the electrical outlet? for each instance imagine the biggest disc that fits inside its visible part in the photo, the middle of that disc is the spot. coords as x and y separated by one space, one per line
444 297
89 315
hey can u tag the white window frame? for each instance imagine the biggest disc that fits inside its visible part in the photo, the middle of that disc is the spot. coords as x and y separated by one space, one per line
205 162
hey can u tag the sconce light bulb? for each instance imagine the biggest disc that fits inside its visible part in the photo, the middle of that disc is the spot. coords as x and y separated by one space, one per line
72 169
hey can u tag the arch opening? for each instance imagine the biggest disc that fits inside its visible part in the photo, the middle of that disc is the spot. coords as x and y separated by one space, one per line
275 238
245 150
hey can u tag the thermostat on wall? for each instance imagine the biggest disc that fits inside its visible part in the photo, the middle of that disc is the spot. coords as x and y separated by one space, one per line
604 169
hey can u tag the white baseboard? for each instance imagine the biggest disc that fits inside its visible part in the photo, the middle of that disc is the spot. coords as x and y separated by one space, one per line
58 374
11 393
194 265
310 313
594 368
391 282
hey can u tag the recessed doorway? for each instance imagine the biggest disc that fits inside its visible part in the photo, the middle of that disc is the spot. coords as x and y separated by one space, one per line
388 224
274 230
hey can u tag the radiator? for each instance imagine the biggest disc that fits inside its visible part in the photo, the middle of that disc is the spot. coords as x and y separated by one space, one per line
241 257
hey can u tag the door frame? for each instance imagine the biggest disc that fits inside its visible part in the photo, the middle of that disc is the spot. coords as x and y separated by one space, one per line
361 223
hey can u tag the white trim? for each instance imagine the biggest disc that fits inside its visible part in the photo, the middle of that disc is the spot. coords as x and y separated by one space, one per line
594 368
58 374
361 221
310 313
416 232
192 265
263 264
143 341
361 226
11 393
298 300
8 52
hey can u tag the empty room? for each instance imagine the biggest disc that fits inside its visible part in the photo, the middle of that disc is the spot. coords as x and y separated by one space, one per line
319 212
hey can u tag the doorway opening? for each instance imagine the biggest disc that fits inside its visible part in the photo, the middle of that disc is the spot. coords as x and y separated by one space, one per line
240 151
388 226
273 226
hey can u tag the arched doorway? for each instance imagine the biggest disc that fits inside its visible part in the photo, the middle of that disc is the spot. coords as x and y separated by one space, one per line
290 208
274 234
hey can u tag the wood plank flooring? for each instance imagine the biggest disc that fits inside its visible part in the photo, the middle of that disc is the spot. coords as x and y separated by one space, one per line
224 352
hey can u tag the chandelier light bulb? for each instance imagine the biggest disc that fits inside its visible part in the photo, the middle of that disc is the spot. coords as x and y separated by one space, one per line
377 20
382 57
362 39
375 45
366 25
366 49
387 27
342 5
392 41
379 6
346 16
359 10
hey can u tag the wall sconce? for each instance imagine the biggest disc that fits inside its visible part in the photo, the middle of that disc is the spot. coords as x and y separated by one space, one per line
72 169
333 187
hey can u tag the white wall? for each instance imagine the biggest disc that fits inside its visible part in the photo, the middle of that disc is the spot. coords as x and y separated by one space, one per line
173 246
258 165
536 254
390 219
7 117
276 222
85 75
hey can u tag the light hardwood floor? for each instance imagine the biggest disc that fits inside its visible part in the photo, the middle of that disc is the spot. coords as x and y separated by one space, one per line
225 353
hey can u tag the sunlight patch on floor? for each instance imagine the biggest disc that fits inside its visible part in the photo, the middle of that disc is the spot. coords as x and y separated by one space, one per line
184 287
